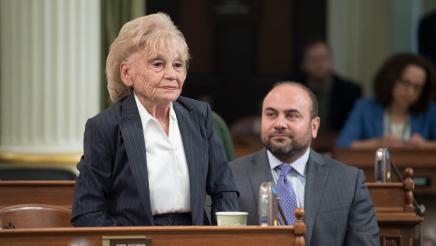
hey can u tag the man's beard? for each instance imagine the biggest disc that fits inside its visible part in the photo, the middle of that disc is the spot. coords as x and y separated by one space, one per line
286 152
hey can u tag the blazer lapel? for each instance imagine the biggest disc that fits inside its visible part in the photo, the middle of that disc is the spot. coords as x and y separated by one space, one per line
261 173
190 135
132 132
316 177
187 129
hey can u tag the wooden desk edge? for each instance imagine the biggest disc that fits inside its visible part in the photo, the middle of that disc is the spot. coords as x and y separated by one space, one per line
148 229
399 218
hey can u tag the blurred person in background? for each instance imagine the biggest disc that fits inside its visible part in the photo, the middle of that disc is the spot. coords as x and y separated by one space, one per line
427 37
335 94
402 113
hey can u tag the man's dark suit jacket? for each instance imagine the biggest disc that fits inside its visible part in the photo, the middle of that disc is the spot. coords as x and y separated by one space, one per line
344 94
427 37
337 207
112 188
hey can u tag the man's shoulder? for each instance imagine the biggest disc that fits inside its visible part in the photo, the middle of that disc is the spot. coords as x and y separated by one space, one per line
347 84
337 167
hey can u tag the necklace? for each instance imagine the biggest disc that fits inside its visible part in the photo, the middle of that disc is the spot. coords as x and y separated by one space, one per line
401 130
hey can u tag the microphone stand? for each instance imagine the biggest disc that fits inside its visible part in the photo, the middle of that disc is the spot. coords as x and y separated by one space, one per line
420 208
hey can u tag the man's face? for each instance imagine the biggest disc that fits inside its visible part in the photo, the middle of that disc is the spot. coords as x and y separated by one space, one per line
317 63
287 127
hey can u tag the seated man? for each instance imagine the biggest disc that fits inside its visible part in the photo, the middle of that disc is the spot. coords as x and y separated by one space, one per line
336 201
335 94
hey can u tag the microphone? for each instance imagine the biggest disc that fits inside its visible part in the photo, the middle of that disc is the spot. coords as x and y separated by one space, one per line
268 204
420 208
382 167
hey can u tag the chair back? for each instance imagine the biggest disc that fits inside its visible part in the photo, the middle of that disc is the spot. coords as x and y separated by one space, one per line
223 132
16 172
34 215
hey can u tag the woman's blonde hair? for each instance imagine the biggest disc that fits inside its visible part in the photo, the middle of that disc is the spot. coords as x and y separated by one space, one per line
151 34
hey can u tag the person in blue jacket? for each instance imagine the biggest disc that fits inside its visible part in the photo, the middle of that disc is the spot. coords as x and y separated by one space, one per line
402 112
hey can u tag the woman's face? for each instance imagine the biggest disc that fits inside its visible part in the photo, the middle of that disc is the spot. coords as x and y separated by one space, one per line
408 88
158 78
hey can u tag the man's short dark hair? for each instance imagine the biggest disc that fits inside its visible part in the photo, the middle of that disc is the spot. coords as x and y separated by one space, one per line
313 100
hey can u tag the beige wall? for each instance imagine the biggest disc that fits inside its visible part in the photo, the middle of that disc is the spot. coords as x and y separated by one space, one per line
363 33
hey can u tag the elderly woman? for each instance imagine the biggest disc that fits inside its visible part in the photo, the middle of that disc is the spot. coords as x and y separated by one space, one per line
151 158
402 114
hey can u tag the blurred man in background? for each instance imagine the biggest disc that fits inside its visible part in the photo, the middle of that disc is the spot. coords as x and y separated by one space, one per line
336 95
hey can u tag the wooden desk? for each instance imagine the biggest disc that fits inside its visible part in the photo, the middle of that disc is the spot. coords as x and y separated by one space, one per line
399 224
58 193
423 163
181 236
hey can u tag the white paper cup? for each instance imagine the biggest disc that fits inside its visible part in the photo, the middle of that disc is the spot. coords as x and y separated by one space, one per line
231 218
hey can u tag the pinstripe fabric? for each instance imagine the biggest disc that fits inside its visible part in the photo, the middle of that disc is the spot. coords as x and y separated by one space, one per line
338 209
113 189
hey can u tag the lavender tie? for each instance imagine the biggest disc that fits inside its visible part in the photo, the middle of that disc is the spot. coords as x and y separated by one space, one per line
286 194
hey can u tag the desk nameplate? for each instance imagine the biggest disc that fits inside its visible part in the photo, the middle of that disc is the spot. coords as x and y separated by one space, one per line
126 240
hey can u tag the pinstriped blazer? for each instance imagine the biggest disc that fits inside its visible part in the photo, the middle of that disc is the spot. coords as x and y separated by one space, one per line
112 188
338 209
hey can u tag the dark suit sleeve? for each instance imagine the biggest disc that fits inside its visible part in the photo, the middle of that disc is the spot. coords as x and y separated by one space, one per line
93 183
427 37
362 226
220 184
